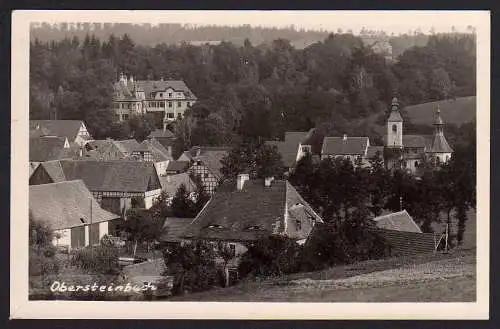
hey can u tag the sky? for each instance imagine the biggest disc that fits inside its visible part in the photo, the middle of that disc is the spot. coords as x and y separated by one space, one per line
390 21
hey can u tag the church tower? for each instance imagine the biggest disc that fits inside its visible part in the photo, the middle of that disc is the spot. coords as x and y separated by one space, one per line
440 149
394 127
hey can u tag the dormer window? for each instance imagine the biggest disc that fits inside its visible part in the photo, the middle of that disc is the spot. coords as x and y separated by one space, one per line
254 228
214 226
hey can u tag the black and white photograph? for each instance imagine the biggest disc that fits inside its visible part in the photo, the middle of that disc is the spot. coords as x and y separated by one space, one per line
255 164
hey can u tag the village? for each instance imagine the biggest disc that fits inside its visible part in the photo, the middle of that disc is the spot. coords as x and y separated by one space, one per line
219 205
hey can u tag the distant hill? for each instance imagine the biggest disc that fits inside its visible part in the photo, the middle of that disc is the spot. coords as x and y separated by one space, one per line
458 111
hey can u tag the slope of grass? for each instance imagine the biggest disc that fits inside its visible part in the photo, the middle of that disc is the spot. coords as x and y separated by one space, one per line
429 277
458 111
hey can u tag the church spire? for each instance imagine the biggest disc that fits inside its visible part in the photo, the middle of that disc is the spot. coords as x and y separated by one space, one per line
439 143
395 116
438 122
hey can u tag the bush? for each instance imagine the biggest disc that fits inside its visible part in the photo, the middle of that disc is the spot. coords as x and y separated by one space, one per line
342 243
193 266
272 256
102 259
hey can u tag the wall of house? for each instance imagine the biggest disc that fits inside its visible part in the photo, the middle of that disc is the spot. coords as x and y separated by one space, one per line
62 238
443 157
150 197
82 136
103 229
302 151
208 179
161 168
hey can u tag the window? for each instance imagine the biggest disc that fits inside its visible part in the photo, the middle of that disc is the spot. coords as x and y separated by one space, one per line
170 95
170 115
125 116
416 164
205 175
232 246
394 128
179 104
161 95
447 158
169 104
298 225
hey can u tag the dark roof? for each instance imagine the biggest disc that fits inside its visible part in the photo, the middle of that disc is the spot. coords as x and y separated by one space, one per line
439 144
149 87
62 205
117 176
49 148
171 183
178 166
416 141
398 221
408 243
161 133
290 146
253 213
173 229
347 146
60 128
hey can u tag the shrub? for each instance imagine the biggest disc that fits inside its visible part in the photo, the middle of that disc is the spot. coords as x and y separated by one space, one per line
274 255
99 259
342 242
193 266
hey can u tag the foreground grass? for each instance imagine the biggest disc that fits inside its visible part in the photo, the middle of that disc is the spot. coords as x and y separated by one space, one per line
432 277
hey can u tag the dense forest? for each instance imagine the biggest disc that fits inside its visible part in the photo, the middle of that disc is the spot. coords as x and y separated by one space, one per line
245 91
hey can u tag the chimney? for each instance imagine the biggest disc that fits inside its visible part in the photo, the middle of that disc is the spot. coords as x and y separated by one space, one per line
268 181
242 178
345 137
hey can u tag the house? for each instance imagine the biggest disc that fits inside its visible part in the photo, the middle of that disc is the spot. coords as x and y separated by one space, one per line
49 148
164 136
106 150
295 145
205 161
74 130
177 167
116 185
351 148
403 235
166 99
71 211
151 150
410 151
245 211
171 183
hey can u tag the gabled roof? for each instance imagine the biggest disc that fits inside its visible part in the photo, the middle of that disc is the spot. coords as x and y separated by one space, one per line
149 86
160 133
59 128
398 221
290 146
117 176
49 148
103 150
347 146
62 205
173 229
210 156
171 183
253 213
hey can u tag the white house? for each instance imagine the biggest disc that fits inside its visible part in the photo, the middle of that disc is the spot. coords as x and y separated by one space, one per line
71 211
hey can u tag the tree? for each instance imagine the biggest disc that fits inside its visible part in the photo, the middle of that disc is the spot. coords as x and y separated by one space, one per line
257 159
141 226
183 204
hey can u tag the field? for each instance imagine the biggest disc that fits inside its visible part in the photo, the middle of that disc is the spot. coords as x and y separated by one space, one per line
458 111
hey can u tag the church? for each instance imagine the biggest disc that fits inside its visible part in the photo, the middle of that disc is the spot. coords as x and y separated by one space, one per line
410 151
